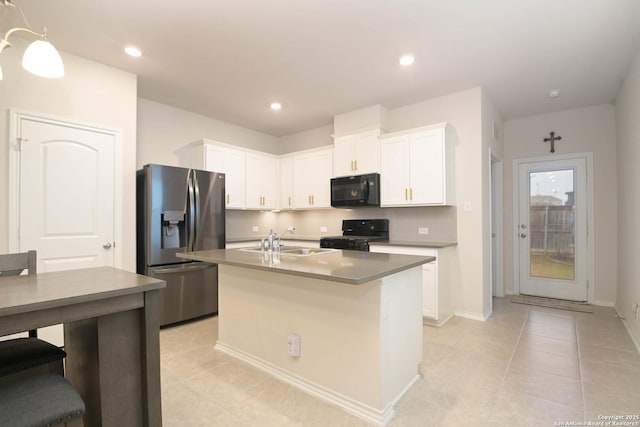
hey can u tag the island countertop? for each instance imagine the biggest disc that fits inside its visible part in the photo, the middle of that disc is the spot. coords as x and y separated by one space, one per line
350 267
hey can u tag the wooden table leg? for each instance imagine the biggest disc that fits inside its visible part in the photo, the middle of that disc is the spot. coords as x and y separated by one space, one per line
114 363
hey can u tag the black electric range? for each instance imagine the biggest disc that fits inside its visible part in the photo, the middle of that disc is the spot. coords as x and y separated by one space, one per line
357 233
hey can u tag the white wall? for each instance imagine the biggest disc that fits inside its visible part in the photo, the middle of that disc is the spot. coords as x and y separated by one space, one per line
163 130
589 129
463 110
628 177
313 138
491 147
89 93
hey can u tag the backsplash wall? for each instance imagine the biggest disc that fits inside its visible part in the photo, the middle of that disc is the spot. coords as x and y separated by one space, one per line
403 222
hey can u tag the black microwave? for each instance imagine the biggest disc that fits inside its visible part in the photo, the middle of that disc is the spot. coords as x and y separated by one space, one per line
355 191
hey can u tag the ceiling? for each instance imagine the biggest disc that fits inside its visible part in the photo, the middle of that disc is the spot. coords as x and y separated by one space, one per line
229 59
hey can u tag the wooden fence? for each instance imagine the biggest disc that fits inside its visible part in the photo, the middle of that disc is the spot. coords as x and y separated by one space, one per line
552 231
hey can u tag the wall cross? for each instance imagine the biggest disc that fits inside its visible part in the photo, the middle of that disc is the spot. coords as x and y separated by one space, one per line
552 139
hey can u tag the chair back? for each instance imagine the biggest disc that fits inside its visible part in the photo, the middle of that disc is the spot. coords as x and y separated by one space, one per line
15 264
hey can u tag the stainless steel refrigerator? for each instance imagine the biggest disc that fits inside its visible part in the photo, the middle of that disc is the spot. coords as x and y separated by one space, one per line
180 210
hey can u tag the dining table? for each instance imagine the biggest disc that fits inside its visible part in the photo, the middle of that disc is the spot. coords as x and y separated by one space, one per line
111 336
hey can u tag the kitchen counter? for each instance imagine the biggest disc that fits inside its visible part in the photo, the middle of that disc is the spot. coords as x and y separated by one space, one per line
350 267
349 349
410 243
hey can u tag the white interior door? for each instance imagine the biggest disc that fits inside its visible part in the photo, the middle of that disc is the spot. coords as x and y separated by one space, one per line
552 229
66 195
64 184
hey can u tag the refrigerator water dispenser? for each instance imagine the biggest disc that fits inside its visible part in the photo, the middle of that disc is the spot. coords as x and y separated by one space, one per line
173 230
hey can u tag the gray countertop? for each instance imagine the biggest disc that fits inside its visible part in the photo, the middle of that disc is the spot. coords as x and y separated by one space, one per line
417 244
350 267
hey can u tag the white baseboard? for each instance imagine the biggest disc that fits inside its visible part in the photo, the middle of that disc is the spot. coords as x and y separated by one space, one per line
604 303
359 409
470 315
635 335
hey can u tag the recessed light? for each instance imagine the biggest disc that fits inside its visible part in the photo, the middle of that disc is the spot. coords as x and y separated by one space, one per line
132 51
276 106
554 93
407 60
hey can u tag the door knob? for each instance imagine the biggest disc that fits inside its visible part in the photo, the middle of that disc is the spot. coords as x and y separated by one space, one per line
523 235
107 245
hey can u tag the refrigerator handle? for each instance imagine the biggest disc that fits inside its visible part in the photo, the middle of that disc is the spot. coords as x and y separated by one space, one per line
191 197
196 187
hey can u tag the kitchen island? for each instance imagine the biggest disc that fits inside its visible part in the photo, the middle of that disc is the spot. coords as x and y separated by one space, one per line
357 316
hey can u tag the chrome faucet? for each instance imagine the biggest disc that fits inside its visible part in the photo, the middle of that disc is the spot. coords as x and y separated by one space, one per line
268 243
289 228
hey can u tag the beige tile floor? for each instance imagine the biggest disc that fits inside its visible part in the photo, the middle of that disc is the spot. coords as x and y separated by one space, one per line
524 366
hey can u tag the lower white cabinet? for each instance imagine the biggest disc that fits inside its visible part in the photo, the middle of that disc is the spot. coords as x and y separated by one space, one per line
437 292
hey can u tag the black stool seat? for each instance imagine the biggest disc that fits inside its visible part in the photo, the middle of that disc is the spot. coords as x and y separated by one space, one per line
40 400
20 354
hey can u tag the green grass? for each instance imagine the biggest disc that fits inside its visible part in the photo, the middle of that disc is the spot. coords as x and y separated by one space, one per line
543 265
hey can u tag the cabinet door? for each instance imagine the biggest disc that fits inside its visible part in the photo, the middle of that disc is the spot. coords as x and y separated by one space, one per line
395 179
429 291
261 182
427 168
356 154
302 181
343 156
311 180
286 183
322 165
232 163
366 148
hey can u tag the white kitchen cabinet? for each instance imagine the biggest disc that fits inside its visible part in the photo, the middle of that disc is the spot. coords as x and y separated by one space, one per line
356 154
437 292
261 181
417 167
286 183
217 157
311 179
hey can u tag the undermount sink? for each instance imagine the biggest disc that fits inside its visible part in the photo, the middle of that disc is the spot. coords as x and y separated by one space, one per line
293 250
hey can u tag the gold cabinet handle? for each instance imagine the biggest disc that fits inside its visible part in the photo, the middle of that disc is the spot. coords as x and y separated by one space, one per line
313 199
351 165
411 194
309 197
289 200
355 162
406 194
228 198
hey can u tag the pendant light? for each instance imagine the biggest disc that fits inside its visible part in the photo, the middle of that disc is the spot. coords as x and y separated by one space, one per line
41 57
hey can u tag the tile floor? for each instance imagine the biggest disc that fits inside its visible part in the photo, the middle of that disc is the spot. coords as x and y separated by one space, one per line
524 366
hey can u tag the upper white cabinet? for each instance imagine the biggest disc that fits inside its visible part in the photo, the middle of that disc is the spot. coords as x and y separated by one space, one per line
216 157
417 167
261 181
356 154
311 179
286 183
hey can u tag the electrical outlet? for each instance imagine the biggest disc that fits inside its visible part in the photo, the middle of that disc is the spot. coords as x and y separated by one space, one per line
466 206
634 308
323 229
291 228
423 230
293 345
255 229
